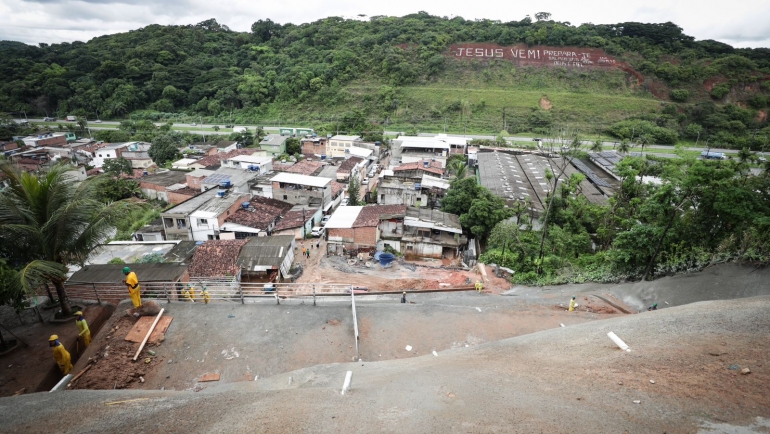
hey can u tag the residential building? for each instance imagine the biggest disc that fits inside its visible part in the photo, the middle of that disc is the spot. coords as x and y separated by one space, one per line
108 151
236 179
214 161
314 147
217 258
340 145
415 170
46 139
354 167
207 219
304 167
302 189
298 222
257 217
267 259
408 149
158 185
273 144
252 163
138 159
195 178
176 220
430 233
184 163
352 227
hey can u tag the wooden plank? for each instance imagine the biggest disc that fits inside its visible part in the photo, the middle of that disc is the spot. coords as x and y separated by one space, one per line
139 331
209 377
144 341
159 334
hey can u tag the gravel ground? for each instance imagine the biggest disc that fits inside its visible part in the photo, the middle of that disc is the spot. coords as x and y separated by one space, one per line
570 380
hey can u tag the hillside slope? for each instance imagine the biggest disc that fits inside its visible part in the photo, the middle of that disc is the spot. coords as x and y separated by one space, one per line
570 380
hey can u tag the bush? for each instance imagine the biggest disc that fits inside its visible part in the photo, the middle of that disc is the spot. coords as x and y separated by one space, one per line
680 95
720 91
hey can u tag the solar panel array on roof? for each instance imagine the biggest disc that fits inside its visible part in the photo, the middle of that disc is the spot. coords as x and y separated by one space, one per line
589 173
216 178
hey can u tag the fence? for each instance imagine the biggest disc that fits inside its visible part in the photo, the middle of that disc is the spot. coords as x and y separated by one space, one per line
219 290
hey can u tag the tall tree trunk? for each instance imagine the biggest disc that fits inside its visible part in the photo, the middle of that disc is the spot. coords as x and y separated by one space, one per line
62 293
50 296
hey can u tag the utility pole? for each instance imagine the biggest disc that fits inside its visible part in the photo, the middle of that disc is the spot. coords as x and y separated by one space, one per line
505 127
697 138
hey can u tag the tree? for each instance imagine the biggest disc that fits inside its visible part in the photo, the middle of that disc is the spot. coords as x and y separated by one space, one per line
624 146
164 148
53 222
597 146
293 146
458 168
543 16
353 192
10 293
484 213
117 166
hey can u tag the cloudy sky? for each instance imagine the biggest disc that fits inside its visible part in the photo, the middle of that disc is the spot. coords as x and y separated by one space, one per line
741 23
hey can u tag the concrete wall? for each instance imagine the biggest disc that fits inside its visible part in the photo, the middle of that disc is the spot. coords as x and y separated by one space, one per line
175 198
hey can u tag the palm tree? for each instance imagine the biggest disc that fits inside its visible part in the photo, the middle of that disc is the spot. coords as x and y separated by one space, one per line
624 147
458 167
53 222
597 146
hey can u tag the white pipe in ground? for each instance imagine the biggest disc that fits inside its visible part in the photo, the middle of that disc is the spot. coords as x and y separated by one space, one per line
348 379
619 342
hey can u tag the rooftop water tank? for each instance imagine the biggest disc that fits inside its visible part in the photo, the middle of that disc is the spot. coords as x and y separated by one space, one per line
225 184
221 193
245 205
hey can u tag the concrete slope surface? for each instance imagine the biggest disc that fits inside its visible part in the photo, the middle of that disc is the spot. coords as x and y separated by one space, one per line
683 370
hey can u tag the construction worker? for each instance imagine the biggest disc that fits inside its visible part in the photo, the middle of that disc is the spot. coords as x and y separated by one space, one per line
132 283
85 332
479 286
192 292
403 297
653 307
205 295
60 354
186 293
572 304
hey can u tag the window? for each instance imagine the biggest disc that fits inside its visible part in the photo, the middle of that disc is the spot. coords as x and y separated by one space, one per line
382 197
285 197
169 223
181 224
203 222
211 237
100 155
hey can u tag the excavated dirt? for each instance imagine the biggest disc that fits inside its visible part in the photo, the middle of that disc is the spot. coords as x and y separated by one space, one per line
112 365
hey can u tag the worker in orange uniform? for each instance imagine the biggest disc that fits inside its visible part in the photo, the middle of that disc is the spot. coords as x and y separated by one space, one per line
132 283
85 332
60 354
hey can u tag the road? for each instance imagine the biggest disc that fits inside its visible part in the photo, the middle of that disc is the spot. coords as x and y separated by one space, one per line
207 129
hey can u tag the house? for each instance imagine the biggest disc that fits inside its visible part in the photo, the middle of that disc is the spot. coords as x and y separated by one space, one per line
257 217
356 151
408 149
302 189
212 148
138 159
158 185
108 151
273 144
196 177
415 170
207 219
411 184
217 259
353 166
314 147
352 227
236 179
305 167
298 222
46 139
214 161
340 145
252 163
152 231
267 259
184 163
430 233
176 220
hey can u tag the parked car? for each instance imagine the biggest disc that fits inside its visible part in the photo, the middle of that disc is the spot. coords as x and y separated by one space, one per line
49 119
193 124
325 220
229 126
344 202
318 231
365 181
98 121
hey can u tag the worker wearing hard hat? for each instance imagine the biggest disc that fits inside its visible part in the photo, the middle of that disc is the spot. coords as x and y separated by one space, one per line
572 304
85 332
403 297
60 354
132 283
479 286
205 295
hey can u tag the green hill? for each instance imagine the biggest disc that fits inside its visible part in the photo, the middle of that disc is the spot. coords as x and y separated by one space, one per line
353 75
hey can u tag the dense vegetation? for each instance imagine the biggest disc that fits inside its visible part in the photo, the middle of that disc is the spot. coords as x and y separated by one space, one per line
702 212
394 72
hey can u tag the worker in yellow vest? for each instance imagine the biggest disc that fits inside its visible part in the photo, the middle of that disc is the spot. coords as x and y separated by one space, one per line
60 354
572 304
205 295
479 286
85 332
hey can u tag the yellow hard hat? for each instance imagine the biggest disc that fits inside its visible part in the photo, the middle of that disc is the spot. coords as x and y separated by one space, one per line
79 313
53 338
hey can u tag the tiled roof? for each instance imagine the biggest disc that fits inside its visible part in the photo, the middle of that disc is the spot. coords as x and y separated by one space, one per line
349 164
216 160
337 187
281 167
263 211
370 215
216 258
305 167
433 167
294 219
187 191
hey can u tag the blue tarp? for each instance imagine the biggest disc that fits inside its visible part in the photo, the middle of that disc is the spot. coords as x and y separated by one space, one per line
386 258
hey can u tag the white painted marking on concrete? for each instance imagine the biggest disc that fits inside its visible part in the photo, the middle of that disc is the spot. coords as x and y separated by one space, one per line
346 384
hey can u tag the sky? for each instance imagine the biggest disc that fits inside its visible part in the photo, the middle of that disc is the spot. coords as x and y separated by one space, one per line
740 23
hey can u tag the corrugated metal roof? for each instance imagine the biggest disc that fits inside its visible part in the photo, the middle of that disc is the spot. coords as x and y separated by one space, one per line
109 273
293 178
345 138
344 217
265 251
